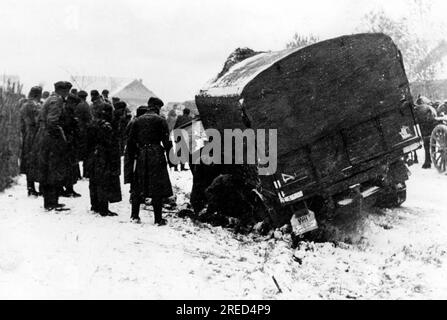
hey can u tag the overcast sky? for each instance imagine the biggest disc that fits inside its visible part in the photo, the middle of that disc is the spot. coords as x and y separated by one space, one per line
175 46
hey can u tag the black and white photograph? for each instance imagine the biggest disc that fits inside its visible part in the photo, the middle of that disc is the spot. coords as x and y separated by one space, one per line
223 150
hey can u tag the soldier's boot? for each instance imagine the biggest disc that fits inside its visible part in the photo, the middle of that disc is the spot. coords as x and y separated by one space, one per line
50 199
103 208
415 156
157 203
427 163
70 193
135 215
93 197
111 213
426 166
55 201
31 188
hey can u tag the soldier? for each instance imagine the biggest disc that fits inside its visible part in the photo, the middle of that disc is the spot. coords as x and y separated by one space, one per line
145 166
45 96
426 118
71 131
442 109
84 117
171 119
115 100
51 147
104 163
121 119
182 120
29 113
105 96
97 102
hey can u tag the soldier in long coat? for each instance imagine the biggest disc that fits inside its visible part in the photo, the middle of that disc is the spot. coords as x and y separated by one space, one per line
50 165
71 130
181 121
103 163
121 118
84 116
145 166
97 102
29 113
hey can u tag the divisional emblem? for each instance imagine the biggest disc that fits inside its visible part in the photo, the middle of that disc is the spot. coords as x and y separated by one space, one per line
405 133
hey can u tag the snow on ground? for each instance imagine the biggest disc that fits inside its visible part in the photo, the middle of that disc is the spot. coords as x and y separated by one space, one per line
81 255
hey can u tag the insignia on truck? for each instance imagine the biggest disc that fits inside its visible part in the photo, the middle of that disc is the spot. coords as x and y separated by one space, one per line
287 178
405 133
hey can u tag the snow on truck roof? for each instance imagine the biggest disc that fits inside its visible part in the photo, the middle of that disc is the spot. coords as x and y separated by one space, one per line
234 81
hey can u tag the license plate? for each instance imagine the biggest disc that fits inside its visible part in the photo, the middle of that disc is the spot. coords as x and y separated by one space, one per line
304 223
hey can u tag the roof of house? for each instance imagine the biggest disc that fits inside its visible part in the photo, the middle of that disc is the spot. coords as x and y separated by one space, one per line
131 90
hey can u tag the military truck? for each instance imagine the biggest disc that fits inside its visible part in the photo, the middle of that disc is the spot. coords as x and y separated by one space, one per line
344 117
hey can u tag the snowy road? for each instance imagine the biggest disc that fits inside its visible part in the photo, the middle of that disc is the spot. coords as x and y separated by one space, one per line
81 255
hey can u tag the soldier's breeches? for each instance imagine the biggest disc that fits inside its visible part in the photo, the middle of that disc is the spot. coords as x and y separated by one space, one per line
157 204
94 201
135 214
427 150
30 183
50 195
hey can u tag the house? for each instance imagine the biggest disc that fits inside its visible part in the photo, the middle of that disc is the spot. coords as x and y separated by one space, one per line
132 91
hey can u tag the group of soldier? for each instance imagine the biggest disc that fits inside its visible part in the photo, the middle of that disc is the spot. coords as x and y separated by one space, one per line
61 130
427 113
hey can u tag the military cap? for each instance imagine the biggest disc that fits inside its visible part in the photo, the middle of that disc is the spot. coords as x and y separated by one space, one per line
105 92
35 92
142 110
74 91
115 99
73 99
95 95
155 102
45 94
106 112
82 94
62 85
121 105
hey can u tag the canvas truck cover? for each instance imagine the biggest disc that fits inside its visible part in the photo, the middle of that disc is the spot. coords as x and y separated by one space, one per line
309 92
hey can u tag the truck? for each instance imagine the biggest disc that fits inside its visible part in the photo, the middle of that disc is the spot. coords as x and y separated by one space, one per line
344 117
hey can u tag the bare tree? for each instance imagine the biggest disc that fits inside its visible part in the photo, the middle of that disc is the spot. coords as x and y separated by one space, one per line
300 41
421 64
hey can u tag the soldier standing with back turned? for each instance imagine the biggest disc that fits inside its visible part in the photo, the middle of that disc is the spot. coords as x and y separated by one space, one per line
51 148
145 166
29 113
84 117
103 162
426 118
